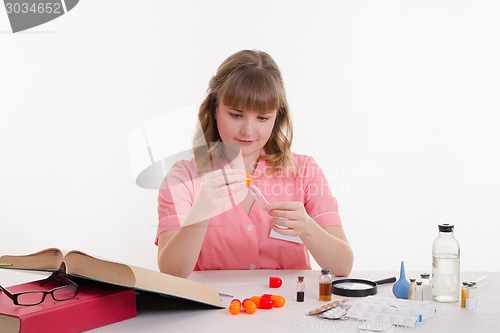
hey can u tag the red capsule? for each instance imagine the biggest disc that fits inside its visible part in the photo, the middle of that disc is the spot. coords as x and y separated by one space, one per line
275 282
266 302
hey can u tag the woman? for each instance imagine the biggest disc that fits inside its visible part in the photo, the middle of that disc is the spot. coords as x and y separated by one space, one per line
207 218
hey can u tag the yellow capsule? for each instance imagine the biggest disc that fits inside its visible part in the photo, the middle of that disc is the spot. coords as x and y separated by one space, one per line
278 301
235 307
248 180
249 306
256 300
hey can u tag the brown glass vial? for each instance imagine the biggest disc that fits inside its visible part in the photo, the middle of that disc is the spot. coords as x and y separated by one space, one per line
325 286
301 286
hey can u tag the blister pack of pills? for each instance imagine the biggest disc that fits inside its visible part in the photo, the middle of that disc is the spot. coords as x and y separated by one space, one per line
338 312
394 311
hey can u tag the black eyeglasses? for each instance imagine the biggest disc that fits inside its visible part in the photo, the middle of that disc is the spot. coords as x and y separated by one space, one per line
34 297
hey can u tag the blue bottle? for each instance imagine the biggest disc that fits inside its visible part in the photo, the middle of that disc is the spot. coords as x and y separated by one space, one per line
400 288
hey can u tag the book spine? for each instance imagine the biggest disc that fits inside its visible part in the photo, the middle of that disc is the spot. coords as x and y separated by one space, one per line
91 313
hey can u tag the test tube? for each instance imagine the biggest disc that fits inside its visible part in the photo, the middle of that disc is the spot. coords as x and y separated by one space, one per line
258 196
255 192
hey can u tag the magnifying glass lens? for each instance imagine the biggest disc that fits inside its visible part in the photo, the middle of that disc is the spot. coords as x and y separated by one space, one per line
353 286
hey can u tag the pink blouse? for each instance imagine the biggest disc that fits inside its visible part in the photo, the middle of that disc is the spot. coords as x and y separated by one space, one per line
236 239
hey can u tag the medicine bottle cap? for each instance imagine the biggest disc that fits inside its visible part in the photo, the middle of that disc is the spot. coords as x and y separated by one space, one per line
445 227
325 271
425 275
301 278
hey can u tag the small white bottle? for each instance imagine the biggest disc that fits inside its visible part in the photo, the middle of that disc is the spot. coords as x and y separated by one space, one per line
471 296
418 291
426 287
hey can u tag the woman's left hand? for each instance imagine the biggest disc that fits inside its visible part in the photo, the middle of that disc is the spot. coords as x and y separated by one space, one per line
289 218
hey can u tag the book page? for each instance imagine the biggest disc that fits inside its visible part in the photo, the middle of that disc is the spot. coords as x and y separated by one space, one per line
9 323
84 265
175 286
46 260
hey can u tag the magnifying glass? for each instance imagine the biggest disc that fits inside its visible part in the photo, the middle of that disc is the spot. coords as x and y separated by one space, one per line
357 287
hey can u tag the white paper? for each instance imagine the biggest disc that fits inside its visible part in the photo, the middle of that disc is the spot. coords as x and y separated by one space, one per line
294 239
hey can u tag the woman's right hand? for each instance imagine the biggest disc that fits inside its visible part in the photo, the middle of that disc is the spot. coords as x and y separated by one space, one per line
220 191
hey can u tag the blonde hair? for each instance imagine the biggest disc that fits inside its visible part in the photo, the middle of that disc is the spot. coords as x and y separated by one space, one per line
247 80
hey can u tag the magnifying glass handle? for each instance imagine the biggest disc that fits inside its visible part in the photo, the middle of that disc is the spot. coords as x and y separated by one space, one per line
384 281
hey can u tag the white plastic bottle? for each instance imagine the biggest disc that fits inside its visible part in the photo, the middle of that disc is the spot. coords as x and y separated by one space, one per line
445 266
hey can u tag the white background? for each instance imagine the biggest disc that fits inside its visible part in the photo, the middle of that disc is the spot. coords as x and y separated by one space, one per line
397 101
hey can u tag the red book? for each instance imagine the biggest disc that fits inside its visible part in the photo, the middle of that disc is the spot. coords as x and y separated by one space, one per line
95 305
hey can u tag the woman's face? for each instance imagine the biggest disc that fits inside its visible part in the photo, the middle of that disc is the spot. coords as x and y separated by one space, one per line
248 129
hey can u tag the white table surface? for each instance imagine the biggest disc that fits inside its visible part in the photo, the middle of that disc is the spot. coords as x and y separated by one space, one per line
174 316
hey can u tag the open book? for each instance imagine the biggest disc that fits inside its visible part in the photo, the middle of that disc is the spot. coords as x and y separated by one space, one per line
79 264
